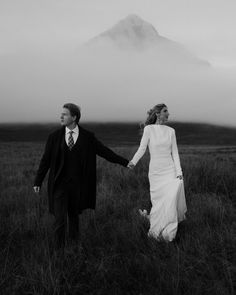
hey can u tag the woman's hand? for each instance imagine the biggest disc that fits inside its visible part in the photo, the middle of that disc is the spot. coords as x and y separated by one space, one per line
180 177
130 165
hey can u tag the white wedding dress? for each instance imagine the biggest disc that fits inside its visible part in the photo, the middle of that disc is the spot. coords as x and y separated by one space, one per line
167 191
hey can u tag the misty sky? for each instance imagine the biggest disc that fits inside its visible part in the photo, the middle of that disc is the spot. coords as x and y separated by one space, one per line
38 72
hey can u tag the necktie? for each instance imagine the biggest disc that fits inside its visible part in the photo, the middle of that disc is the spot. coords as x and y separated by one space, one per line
70 141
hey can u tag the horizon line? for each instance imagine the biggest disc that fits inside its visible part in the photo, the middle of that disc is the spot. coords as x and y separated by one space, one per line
116 122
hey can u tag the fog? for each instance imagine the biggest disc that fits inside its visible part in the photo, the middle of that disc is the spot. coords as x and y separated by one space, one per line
111 85
43 62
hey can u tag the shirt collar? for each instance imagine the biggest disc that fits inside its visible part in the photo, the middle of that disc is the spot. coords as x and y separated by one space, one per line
75 130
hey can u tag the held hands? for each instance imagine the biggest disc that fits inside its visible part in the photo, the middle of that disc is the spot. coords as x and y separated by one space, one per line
36 189
130 165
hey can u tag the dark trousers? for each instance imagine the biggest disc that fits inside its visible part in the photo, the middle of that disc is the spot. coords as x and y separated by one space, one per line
65 213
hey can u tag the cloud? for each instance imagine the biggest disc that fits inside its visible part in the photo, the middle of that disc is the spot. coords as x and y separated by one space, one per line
40 69
117 87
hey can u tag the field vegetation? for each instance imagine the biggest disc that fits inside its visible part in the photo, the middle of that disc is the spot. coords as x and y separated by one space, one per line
117 256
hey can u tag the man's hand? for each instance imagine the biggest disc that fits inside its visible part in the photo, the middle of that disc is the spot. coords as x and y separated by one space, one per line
130 165
37 189
180 177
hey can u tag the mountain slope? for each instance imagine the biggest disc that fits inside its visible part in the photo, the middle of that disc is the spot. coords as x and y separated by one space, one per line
133 34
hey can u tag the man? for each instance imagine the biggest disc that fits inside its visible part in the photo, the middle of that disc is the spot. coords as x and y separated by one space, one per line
70 156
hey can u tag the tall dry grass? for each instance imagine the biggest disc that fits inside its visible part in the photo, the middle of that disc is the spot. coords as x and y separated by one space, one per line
117 257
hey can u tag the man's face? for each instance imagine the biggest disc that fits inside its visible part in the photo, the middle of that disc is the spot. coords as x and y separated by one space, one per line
66 118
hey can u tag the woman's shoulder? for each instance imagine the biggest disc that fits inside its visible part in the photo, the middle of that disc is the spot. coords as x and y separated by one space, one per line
146 127
153 126
171 129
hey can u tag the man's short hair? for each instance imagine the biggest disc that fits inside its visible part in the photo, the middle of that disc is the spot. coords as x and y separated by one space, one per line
74 110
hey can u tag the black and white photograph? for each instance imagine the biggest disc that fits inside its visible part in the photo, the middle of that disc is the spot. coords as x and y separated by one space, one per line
117 147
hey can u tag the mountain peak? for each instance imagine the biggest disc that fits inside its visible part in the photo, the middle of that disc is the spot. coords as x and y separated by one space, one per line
133 20
133 29
136 35
131 32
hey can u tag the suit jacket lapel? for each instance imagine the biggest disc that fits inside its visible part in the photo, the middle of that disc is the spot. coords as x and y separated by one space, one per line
82 142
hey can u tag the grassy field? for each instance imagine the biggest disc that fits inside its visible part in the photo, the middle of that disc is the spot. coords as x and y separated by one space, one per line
117 256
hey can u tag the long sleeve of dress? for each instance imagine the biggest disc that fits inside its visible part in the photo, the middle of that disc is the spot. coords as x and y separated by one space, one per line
142 147
175 154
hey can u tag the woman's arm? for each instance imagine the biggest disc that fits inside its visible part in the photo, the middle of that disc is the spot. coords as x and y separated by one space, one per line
175 154
142 147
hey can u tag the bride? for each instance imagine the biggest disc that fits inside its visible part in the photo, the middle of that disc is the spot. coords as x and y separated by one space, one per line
165 175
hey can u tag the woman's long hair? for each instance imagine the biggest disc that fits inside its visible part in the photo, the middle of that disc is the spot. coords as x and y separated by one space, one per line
151 114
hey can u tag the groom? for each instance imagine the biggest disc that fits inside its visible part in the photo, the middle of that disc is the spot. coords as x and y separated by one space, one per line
70 156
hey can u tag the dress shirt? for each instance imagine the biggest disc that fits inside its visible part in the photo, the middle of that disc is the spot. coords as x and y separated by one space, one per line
75 134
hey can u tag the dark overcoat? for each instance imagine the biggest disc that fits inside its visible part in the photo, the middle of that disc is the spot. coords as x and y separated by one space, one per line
53 160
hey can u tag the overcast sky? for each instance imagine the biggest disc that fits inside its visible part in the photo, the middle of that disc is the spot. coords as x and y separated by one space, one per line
206 26
50 27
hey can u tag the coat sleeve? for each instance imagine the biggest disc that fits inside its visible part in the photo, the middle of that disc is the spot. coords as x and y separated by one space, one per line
108 154
142 147
175 154
44 163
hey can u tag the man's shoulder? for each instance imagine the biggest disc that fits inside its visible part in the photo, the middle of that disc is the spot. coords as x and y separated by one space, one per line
85 132
82 132
57 131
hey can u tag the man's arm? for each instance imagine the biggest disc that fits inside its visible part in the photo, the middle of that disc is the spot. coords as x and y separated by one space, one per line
108 154
43 166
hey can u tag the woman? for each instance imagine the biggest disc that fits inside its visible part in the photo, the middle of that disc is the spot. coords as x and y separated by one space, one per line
165 175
